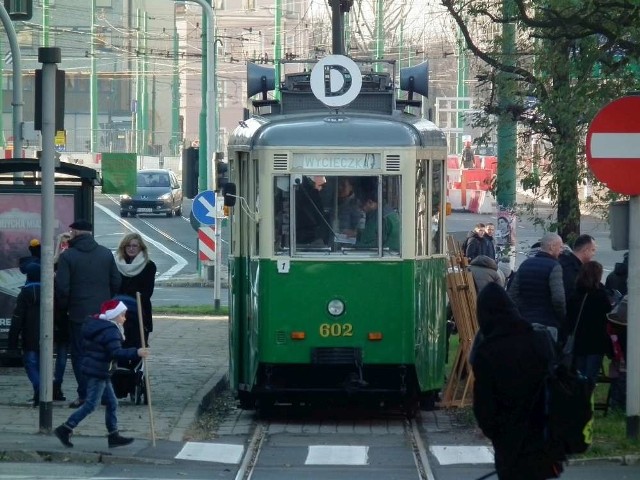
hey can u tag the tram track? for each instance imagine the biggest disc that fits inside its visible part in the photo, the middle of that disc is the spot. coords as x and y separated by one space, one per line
261 435
253 451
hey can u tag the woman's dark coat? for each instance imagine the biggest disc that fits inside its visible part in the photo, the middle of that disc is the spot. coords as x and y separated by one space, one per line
144 283
591 335
510 362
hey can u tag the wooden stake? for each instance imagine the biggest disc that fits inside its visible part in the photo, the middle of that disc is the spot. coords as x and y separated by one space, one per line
145 371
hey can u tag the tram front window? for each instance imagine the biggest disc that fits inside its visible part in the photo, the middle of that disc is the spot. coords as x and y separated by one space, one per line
337 215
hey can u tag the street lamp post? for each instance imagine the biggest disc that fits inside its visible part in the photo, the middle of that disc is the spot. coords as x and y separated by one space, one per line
210 106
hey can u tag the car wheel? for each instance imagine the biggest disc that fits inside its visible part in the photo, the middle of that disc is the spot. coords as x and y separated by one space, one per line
179 211
123 213
169 213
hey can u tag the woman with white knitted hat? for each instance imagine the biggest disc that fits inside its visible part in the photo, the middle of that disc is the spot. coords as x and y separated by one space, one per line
103 335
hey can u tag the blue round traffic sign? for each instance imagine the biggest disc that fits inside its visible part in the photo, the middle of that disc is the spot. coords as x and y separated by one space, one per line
204 207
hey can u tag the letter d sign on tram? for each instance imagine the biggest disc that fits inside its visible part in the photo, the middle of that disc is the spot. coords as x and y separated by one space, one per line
613 145
204 207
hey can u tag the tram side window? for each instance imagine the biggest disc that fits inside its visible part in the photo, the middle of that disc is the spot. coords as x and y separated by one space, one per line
391 220
437 205
282 217
422 224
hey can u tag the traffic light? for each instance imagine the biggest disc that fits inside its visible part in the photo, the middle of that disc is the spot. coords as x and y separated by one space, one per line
190 164
19 9
222 174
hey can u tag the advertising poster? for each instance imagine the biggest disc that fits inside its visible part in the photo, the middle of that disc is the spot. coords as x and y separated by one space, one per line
119 173
19 224
505 232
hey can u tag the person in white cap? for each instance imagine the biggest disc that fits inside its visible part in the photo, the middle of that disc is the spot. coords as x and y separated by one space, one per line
103 335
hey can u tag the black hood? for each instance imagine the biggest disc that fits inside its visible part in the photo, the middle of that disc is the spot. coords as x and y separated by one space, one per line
497 313
621 268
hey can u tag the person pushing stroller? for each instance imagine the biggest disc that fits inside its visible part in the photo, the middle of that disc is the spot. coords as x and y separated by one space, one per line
103 335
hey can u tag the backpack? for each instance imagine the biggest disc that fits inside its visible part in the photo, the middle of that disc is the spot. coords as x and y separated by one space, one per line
568 400
569 409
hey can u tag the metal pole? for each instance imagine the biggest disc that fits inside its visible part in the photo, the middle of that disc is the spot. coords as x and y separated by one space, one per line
3 142
336 27
17 103
49 57
507 148
175 92
633 326
277 45
144 99
46 21
93 85
379 34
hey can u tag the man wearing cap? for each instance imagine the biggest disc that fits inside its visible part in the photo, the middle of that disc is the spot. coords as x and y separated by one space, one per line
87 275
103 335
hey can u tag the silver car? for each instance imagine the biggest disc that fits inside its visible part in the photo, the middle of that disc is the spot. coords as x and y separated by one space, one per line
157 192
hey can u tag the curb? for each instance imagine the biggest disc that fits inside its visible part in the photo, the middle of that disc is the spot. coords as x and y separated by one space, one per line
202 400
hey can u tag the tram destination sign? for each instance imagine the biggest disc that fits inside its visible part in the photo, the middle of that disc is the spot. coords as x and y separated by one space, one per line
336 161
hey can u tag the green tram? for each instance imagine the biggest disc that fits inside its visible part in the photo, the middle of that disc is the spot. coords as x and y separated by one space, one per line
323 302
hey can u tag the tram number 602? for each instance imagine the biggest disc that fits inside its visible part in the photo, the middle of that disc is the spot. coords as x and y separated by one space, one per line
336 330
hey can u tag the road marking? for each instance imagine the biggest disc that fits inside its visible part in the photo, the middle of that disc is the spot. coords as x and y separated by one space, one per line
180 261
211 452
337 455
454 454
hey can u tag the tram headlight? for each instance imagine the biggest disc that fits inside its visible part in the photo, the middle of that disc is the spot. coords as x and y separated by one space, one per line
335 307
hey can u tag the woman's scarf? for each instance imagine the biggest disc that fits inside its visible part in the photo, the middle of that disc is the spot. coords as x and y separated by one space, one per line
134 268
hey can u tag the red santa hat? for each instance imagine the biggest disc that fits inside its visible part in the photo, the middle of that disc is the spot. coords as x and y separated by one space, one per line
111 309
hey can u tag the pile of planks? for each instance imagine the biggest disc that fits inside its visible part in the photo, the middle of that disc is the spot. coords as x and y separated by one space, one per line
462 298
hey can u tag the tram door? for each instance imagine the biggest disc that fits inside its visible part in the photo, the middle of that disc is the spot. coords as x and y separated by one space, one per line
243 284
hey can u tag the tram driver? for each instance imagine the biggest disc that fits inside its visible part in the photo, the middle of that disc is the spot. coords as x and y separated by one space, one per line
312 226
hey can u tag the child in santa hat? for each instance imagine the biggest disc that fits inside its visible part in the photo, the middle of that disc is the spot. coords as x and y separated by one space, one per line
103 335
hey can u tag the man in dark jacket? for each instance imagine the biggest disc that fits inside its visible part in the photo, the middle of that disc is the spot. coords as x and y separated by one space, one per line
537 287
479 243
584 249
102 335
510 361
87 275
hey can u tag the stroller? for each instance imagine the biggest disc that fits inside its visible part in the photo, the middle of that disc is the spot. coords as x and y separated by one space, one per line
128 377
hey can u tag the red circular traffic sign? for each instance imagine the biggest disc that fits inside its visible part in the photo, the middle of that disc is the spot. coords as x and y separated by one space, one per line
613 145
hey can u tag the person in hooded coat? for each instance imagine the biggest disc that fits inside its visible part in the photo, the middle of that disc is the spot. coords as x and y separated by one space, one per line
510 360
617 279
484 271
25 327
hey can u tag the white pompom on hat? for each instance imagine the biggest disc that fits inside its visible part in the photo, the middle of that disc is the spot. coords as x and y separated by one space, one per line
110 309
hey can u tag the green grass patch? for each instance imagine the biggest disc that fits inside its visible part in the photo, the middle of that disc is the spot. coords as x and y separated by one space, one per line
610 436
191 310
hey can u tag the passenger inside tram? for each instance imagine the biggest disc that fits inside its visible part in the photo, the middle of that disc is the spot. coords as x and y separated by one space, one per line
368 237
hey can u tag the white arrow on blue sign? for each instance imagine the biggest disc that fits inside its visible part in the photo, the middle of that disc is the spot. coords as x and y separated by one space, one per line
204 207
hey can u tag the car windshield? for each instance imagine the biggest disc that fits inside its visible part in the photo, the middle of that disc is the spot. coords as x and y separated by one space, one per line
155 179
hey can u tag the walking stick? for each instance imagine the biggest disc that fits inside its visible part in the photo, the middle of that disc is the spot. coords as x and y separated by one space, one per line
145 367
